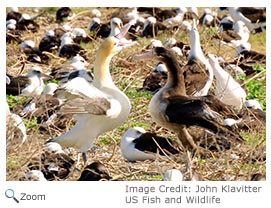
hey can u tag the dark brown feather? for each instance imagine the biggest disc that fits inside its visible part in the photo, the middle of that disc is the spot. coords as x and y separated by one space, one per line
227 36
16 85
95 171
253 14
148 142
61 161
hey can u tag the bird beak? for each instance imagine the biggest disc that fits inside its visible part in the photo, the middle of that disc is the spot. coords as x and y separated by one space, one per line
123 42
45 76
148 55
123 31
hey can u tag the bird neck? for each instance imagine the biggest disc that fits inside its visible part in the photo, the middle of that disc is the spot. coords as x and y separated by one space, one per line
219 72
204 91
114 31
175 80
102 76
196 51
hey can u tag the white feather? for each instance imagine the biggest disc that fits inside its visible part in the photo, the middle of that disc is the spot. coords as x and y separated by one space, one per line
227 89
128 149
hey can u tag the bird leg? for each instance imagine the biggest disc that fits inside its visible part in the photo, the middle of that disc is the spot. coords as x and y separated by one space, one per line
84 155
186 139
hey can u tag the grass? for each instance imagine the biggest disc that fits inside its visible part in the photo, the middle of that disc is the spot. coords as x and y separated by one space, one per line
237 163
14 100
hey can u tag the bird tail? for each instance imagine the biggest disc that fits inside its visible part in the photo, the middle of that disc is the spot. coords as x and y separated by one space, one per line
225 130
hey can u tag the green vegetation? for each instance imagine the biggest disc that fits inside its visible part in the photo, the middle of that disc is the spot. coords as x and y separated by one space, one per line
15 100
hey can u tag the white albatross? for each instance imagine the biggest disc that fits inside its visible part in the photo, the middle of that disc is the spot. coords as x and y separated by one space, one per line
99 106
227 89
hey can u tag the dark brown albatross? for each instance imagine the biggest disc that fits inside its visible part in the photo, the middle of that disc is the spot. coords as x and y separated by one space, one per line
171 108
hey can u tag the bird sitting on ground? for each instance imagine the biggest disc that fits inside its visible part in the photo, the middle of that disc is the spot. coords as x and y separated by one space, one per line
64 13
104 30
68 48
30 85
156 79
95 171
234 37
151 27
251 16
53 162
137 144
244 54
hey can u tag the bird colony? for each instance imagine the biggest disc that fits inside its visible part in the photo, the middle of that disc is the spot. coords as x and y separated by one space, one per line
135 93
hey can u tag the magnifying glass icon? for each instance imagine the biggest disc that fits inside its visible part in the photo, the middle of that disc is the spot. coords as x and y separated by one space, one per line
10 194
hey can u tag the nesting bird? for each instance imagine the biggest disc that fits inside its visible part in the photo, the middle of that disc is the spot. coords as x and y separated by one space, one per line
156 79
26 23
226 23
208 18
151 27
244 54
49 42
64 12
30 85
235 36
76 66
68 48
104 30
42 106
251 16
53 163
95 171
176 16
137 144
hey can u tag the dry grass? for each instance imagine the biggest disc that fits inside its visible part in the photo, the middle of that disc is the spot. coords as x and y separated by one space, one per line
240 162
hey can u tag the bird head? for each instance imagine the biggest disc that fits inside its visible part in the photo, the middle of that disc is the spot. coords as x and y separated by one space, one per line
134 132
116 26
94 23
114 44
36 71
